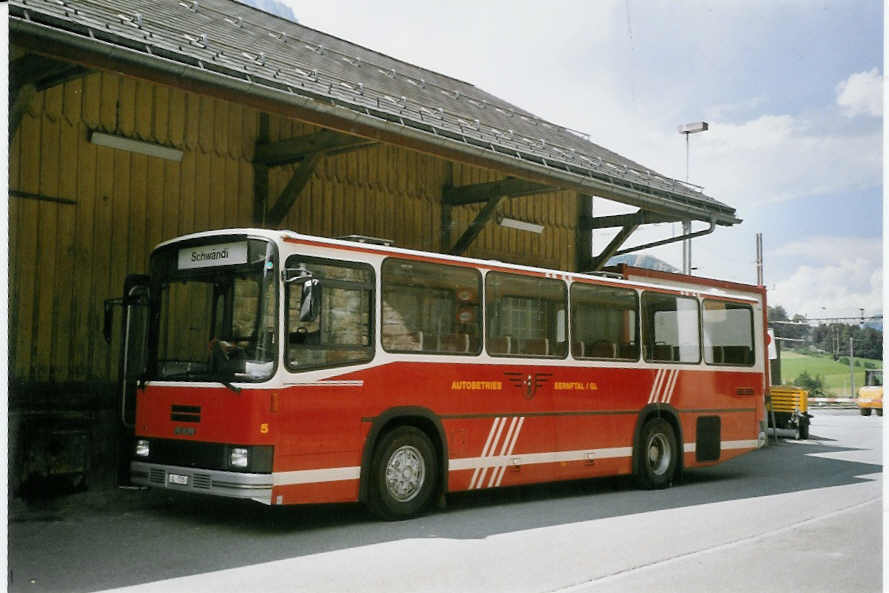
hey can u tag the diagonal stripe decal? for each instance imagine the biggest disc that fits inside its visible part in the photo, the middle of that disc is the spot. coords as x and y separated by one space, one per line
495 454
509 452
494 426
481 476
655 387
671 384
506 441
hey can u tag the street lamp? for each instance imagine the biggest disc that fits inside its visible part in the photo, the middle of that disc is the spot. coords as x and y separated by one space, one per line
688 129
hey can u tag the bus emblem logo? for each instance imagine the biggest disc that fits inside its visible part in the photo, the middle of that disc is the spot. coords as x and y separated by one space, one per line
188 431
528 382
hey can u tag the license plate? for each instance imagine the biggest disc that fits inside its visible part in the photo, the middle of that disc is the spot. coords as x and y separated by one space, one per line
177 479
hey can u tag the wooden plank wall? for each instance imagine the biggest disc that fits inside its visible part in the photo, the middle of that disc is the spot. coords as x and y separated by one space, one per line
67 259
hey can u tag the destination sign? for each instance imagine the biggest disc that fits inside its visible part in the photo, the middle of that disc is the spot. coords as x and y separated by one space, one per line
206 256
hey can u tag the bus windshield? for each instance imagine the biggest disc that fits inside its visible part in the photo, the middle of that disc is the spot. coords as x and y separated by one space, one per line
215 311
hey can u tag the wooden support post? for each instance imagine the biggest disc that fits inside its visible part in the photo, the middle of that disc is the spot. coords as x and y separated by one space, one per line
603 257
261 175
297 183
476 226
583 238
447 220
20 101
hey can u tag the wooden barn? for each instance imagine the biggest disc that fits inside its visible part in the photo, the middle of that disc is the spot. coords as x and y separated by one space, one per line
134 121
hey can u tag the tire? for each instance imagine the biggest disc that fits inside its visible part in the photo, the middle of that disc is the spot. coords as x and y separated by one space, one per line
865 411
658 455
879 411
803 429
404 474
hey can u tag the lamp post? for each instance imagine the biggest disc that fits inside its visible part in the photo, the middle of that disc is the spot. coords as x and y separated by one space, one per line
687 130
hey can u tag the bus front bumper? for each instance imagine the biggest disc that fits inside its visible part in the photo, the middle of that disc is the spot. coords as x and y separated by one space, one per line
256 487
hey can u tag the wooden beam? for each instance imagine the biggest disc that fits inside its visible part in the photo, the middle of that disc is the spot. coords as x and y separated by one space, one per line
292 150
606 254
620 220
447 221
510 187
42 72
21 98
583 237
261 175
476 226
294 187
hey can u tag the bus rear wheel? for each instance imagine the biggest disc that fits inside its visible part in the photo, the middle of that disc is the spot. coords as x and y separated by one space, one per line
865 411
404 473
658 455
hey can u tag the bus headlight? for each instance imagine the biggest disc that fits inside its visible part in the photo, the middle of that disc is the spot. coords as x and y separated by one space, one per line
239 457
143 448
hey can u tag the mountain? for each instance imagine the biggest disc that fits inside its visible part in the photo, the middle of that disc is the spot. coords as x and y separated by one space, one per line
272 7
648 262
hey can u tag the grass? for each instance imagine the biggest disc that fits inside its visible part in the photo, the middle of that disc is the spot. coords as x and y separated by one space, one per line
834 374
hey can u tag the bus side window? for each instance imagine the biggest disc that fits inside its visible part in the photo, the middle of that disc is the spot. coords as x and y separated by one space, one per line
341 330
728 333
671 328
526 316
430 308
604 322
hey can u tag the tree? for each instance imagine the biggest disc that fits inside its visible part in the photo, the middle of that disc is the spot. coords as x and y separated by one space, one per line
814 384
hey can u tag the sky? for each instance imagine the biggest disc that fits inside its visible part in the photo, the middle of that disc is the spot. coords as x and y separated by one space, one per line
792 91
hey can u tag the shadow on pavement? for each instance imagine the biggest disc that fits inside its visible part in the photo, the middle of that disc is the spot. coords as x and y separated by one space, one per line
148 536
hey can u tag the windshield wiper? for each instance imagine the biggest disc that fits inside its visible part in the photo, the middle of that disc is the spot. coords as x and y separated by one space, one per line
198 377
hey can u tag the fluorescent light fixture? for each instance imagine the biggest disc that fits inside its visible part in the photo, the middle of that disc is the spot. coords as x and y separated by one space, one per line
146 148
521 225
694 127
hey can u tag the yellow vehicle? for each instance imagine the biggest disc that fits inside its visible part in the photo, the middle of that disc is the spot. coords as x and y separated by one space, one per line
788 407
870 397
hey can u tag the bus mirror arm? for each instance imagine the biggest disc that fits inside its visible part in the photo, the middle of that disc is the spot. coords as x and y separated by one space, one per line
298 274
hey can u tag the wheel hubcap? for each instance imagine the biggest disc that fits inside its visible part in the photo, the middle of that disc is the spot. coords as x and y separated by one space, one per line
405 473
659 454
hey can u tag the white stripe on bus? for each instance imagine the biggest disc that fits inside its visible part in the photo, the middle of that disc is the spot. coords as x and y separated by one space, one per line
336 474
313 476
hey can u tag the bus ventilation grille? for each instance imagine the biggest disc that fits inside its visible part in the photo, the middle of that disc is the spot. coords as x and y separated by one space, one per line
185 413
157 476
201 481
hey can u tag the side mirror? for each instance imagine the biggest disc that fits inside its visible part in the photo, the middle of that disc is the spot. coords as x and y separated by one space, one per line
310 296
310 306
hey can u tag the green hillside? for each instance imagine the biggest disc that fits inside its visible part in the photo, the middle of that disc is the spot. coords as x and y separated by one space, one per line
834 374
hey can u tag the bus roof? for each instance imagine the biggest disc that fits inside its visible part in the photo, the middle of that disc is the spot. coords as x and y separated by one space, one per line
631 276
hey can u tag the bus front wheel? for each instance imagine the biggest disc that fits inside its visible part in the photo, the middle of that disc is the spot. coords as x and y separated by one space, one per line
658 455
403 475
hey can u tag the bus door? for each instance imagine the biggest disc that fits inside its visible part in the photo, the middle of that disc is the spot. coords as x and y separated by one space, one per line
132 362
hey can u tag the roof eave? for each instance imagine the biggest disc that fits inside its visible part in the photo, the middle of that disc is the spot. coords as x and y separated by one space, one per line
102 55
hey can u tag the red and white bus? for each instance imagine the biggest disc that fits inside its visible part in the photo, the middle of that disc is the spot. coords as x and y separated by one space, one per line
289 369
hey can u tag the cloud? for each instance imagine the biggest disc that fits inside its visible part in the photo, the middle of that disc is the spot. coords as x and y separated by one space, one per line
861 94
776 158
825 248
846 274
